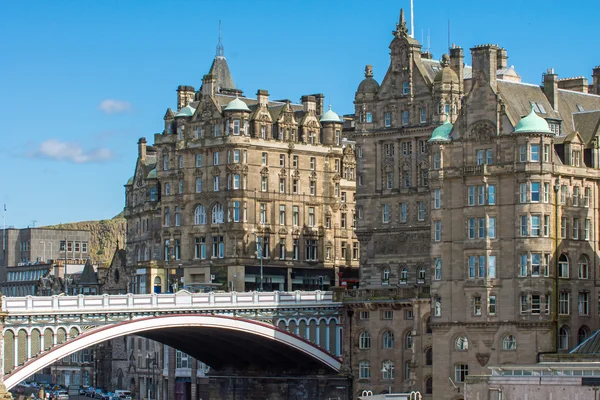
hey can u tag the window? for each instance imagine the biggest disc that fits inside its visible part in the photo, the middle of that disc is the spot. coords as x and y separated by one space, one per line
177 217
216 130
200 215
491 229
436 198
388 340
311 250
408 340
535 225
390 180
546 153
563 338
355 252
523 193
404 275
388 119
460 372
586 229
405 87
217 214
423 115
535 192
575 228
564 303
369 117
438 268
313 188
180 161
180 186
524 303
385 213
295 186
479 154
563 227
387 371
429 385
583 267
263 213
523 153
471 196
476 305
437 161
313 163
437 235
216 183
364 315
421 212
296 249
236 211
165 163
534 152
471 228
405 119
236 127
387 314
586 197
167 189
167 220
491 194
461 343
489 158
216 158
583 303
311 216
364 368
546 225
295 213
509 343
403 212
421 275
492 305
386 276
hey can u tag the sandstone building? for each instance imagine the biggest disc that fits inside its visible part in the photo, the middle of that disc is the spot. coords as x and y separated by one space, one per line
478 233
233 181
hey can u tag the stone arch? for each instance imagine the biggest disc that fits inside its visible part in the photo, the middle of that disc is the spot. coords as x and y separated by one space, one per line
61 336
9 345
48 339
74 332
36 342
22 344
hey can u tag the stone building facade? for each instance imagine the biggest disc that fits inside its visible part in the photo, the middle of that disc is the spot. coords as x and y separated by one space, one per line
234 186
481 219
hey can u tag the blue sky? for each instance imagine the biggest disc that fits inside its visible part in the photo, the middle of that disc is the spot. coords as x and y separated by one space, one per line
81 81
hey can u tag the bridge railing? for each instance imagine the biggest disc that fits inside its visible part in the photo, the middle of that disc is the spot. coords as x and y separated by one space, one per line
182 300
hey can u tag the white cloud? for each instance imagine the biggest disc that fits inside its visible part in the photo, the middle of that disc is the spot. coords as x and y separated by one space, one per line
111 106
70 151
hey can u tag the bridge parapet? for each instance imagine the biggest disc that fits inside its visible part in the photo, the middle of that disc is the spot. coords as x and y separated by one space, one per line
182 300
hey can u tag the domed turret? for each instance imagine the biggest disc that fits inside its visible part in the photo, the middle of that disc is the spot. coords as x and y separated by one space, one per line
237 105
446 75
532 123
442 132
330 116
368 85
151 174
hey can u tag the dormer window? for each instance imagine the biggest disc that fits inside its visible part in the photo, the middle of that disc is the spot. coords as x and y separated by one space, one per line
576 158
554 127
199 132
263 132
423 115
405 87
538 107
236 127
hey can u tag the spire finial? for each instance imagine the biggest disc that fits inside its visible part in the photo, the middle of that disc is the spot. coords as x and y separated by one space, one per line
402 21
220 45
401 30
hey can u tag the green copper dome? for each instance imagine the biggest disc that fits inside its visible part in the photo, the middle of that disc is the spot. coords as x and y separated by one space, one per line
237 105
130 181
151 174
186 111
532 123
442 132
330 116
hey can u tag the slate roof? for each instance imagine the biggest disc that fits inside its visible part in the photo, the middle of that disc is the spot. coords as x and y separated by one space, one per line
220 71
589 346
433 66
587 123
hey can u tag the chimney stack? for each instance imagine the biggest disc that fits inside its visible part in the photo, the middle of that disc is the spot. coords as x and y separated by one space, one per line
485 63
596 80
502 58
263 98
576 84
209 85
320 98
457 63
551 88
309 103
142 149
185 95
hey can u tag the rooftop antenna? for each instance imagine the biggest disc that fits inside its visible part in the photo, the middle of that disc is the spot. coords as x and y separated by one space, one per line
220 45
412 20
428 40
422 36
33 221
4 231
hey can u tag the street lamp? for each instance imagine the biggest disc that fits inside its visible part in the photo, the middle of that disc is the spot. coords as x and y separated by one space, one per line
259 254
388 369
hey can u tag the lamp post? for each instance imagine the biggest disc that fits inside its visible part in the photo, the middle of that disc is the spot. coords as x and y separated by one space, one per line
259 254
148 359
389 370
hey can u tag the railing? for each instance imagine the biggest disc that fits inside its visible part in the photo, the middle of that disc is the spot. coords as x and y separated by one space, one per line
182 300
405 293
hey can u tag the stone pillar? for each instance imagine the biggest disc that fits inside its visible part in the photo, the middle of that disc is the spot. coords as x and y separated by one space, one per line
377 165
4 394
171 377
194 386
414 173
16 350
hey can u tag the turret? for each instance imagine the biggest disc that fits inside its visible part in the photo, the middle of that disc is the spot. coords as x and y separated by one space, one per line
185 95
332 128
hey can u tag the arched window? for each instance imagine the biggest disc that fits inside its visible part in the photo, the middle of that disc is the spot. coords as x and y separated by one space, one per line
428 385
509 343
217 214
364 341
200 215
138 250
408 340
428 325
387 370
563 338
563 266
582 334
461 343
404 275
583 264
388 340
386 275
145 252
364 368
429 356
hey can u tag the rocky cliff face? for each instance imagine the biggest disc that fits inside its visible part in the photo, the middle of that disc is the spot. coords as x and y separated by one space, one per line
104 235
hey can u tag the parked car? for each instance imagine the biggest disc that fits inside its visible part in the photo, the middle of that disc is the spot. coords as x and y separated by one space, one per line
61 395
123 394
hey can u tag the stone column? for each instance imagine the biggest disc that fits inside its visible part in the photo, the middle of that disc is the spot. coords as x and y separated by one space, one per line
194 386
171 377
4 394
413 165
377 165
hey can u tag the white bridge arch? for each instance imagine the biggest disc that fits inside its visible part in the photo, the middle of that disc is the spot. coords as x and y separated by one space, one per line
246 327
